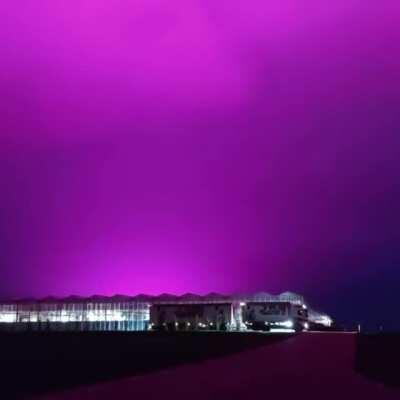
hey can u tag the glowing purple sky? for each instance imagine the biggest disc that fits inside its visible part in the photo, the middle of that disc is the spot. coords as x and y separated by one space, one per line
164 145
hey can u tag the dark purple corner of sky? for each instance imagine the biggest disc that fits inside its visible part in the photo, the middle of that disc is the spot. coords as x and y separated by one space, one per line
174 146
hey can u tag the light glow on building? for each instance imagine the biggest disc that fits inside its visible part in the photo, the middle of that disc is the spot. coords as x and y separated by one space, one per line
126 313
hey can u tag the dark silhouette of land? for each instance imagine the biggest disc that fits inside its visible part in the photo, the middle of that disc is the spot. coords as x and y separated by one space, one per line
199 365
39 362
378 357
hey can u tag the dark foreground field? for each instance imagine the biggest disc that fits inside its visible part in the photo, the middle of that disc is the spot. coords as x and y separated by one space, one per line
64 366
378 358
39 362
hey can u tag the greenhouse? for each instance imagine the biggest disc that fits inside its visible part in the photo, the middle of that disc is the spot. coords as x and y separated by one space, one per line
132 313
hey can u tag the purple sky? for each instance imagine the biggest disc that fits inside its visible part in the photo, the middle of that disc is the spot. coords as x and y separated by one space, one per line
165 145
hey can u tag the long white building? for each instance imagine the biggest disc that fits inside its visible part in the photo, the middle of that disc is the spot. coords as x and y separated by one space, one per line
144 312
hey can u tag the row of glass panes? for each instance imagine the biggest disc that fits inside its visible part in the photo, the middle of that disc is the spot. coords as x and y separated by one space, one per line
72 306
82 314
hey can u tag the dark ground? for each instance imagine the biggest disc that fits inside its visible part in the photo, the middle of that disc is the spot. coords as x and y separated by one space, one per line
378 357
39 362
335 363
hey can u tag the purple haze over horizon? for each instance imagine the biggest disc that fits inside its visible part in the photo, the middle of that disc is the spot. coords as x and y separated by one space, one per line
165 146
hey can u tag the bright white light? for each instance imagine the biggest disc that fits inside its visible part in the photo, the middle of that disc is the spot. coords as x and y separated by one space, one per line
306 325
8 317
324 320
280 330
287 324
94 316
242 304
188 324
176 324
304 306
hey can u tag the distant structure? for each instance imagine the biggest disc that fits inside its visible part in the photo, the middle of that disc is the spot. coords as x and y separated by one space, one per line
261 311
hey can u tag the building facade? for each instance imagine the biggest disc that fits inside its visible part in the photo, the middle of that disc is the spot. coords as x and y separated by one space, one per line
142 312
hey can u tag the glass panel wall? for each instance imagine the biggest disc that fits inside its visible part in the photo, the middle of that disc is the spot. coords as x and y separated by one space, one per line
126 316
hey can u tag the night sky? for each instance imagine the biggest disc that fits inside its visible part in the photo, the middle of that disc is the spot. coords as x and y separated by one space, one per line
194 146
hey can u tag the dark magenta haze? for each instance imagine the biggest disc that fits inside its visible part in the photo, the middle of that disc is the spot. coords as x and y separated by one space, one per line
174 146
